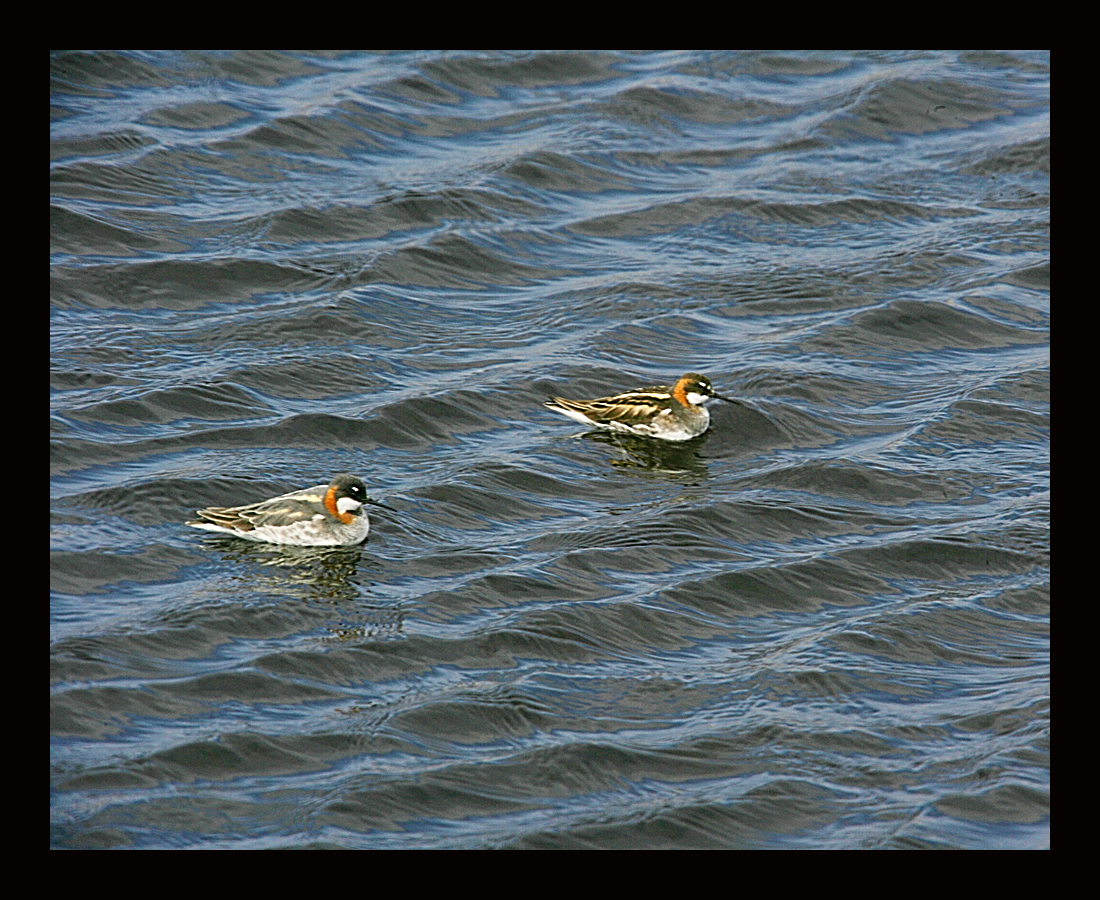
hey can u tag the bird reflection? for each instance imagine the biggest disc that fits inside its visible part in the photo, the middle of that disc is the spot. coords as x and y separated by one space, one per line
654 456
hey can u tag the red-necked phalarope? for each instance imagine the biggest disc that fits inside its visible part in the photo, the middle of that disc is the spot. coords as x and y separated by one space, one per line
671 414
328 515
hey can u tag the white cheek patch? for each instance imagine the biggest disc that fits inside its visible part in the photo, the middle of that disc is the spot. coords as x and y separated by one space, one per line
347 504
697 399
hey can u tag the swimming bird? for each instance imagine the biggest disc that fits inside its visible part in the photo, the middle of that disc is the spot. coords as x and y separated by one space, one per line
328 515
671 414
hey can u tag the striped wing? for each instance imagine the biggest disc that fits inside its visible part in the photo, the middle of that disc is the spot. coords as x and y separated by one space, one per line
632 409
289 509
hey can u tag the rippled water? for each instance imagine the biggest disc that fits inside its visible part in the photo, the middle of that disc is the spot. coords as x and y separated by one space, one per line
824 624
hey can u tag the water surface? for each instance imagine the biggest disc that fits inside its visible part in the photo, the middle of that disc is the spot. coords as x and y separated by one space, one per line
823 624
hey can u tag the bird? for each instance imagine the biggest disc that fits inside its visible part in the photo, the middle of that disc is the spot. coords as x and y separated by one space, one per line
672 413
328 515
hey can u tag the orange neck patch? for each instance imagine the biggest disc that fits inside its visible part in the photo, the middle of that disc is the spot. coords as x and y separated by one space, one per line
330 505
680 392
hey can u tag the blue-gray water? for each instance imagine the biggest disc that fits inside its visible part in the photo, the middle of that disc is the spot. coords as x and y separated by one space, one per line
825 624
